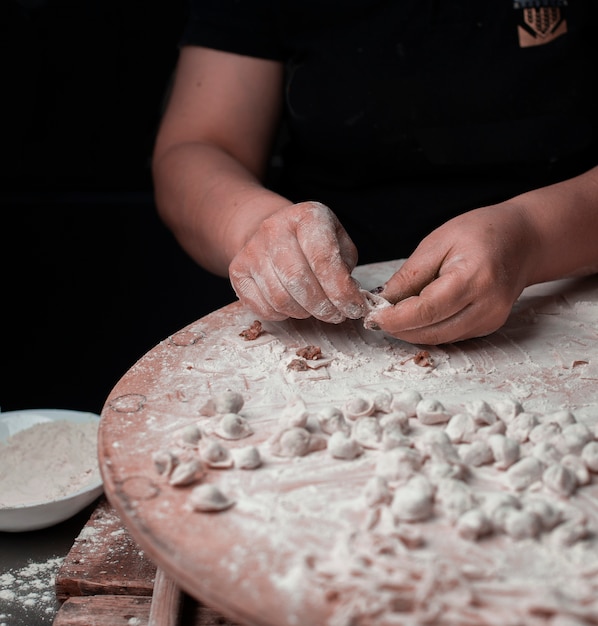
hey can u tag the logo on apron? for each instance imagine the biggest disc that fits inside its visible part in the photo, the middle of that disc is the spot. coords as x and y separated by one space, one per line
540 21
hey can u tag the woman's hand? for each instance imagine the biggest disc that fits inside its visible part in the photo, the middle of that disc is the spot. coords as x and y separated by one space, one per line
463 278
298 264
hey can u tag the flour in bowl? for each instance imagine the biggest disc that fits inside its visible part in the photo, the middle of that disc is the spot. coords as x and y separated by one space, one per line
47 461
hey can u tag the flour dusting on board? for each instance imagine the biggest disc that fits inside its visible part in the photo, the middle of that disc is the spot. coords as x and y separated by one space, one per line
376 482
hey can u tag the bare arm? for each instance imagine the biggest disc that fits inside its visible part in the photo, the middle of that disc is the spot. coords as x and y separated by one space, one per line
211 152
565 219
463 278
212 148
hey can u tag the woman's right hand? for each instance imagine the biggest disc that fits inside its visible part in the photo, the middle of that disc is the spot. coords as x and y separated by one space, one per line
298 264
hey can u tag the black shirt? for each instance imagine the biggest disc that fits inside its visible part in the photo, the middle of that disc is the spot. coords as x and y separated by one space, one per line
400 115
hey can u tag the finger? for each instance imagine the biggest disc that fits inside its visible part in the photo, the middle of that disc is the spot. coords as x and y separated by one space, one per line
471 322
458 327
418 271
251 296
261 290
302 286
440 300
331 261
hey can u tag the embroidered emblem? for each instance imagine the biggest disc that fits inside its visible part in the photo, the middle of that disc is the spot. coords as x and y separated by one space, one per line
540 21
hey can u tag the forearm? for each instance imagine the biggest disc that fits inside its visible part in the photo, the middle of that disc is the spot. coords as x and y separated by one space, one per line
210 201
564 220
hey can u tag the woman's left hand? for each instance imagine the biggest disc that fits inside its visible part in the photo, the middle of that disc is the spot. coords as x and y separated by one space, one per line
462 279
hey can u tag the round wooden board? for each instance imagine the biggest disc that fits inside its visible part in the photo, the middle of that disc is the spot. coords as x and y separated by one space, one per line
275 558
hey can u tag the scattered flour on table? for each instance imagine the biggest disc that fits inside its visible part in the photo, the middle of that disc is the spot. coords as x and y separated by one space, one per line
29 588
47 461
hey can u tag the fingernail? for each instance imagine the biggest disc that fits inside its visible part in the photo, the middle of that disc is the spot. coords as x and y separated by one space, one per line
337 318
355 311
371 325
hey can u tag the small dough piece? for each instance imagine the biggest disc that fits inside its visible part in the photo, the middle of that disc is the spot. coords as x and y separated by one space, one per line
477 453
406 401
341 446
430 411
481 412
505 450
165 461
360 406
208 498
294 413
546 453
395 427
573 438
436 445
589 455
473 525
524 473
228 401
233 426
188 436
413 501
187 473
383 400
215 455
521 524
399 463
560 479
331 420
461 428
368 432
548 515
563 418
296 441
507 409
454 498
578 467
247 458
545 432
520 426
377 491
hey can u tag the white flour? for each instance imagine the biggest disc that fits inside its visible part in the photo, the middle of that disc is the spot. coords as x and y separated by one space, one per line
47 461
29 588
446 534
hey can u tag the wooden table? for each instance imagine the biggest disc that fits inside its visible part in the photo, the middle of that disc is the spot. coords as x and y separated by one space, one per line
107 580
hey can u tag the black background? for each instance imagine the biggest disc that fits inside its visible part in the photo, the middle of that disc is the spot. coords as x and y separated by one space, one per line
91 278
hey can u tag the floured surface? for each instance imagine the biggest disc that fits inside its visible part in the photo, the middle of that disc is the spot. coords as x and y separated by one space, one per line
311 539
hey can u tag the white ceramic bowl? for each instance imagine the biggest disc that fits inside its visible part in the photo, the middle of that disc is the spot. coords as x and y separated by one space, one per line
45 513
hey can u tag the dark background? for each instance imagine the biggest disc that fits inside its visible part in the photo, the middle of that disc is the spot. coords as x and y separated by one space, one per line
91 278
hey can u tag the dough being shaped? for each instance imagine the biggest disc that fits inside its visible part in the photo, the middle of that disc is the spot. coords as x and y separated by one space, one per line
373 302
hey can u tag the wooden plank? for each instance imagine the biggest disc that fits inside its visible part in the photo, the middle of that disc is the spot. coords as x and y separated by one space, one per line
107 580
118 610
166 601
104 610
104 559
